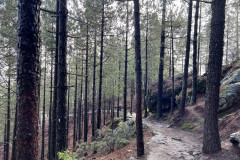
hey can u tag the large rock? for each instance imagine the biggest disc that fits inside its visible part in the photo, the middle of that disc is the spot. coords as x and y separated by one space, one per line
167 91
230 91
235 139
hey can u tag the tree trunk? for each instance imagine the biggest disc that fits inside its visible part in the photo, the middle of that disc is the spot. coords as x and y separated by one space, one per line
146 69
185 74
75 110
211 140
161 65
104 111
139 129
119 78
100 72
53 144
173 70
51 105
195 74
14 142
94 86
80 107
68 100
5 140
199 40
125 73
62 79
8 114
43 112
132 96
86 91
237 30
28 79
228 21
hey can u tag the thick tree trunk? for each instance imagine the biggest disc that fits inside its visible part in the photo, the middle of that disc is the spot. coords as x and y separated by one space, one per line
195 74
211 140
100 72
62 79
185 74
138 69
28 79
161 65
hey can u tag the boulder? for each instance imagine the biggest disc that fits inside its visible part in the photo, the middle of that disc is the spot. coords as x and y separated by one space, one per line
130 122
167 91
230 91
235 139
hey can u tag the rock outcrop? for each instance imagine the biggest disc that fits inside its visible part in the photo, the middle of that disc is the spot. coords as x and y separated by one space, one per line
167 91
230 91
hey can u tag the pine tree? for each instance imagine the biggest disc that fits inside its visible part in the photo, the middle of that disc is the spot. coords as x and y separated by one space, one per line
28 79
211 139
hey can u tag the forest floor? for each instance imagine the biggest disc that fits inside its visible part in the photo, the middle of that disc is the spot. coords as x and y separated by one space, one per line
169 140
183 140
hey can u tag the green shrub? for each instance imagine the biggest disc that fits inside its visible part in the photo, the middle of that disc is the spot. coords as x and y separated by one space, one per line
83 149
66 155
123 142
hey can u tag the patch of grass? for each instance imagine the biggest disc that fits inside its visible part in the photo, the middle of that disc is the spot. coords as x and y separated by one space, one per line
188 126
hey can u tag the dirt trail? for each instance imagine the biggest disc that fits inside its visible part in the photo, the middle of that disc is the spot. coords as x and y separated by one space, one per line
170 144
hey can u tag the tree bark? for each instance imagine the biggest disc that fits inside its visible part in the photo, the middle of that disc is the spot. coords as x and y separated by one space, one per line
43 112
119 78
68 99
195 74
53 144
94 85
125 73
86 91
62 79
146 69
80 107
138 70
28 79
173 70
185 74
8 114
75 109
161 65
50 105
211 140
100 72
